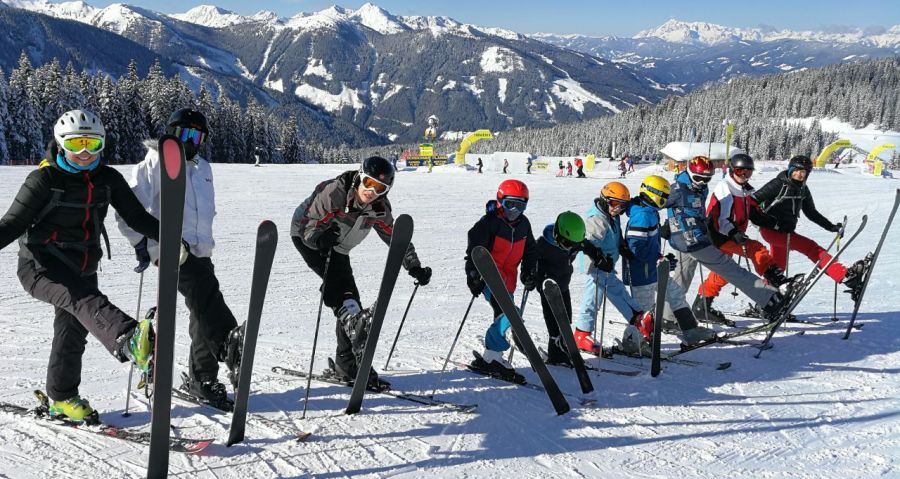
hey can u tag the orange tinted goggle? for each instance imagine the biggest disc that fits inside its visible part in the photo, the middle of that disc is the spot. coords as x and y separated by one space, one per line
77 144
743 172
370 183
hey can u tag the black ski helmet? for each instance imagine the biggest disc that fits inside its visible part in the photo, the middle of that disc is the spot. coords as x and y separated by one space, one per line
188 118
800 162
742 160
379 169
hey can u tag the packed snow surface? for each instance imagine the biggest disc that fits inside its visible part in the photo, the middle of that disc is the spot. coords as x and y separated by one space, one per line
813 407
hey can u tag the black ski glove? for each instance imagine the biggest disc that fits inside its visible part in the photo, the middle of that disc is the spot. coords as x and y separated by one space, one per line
605 263
328 239
836 228
421 275
475 283
625 252
142 256
739 237
673 261
529 279
664 231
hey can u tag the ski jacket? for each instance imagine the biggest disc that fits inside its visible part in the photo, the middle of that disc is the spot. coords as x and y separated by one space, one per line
334 202
783 198
199 202
731 207
642 236
604 232
510 243
554 262
58 216
687 215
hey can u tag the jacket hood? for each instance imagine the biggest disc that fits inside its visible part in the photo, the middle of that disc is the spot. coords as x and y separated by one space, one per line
548 235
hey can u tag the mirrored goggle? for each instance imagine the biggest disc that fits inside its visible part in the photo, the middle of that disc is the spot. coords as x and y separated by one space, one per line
617 204
701 178
372 184
189 134
743 172
514 204
77 144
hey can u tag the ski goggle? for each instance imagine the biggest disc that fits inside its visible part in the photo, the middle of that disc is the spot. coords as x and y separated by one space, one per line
742 172
701 178
563 243
373 185
78 144
616 204
190 134
514 204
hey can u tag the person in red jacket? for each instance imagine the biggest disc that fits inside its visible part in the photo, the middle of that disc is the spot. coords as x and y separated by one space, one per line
506 233
730 210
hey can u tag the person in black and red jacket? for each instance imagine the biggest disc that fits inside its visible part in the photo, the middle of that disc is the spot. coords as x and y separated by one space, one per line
506 233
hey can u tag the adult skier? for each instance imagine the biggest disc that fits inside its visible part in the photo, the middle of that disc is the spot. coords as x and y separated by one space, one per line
58 217
730 210
688 233
505 231
326 226
642 236
604 232
480 165
783 198
212 327
505 165
557 248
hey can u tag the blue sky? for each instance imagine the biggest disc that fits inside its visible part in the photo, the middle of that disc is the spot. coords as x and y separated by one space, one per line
599 17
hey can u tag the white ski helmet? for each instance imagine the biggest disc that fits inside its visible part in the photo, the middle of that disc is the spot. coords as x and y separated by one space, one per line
78 122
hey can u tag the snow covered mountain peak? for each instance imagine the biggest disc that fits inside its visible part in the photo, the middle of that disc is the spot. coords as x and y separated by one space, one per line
698 33
211 16
378 19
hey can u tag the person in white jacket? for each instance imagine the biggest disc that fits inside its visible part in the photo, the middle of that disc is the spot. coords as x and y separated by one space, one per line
215 336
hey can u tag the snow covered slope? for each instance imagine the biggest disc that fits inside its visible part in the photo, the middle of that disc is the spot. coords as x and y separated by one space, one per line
813 407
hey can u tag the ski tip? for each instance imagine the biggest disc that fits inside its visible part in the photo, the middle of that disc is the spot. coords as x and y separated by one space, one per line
723 366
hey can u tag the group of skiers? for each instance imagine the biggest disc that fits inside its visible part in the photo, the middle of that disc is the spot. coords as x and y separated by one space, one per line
58 217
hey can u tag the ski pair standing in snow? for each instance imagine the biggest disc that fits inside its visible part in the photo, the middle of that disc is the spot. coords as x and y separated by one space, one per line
643 239
58 217
326 226
505 232
783 198
604 232
215 336
687 230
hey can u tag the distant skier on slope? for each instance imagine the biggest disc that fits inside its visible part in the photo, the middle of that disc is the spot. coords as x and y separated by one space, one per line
213 329
506 232
783 198
59 213
325 227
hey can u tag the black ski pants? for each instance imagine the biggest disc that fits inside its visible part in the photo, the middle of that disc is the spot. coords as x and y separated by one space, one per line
338 286
80 309
210 318
549 319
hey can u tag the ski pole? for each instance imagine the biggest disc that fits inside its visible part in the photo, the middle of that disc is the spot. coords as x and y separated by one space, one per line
602 317
787 255
131 369
705 307
834 311
312 358
397 336
452 346
521 313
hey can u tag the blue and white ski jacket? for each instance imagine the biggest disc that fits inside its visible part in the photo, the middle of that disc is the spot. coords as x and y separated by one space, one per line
687 215
642 236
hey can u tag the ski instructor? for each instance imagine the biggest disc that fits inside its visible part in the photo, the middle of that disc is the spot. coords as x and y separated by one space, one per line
337 217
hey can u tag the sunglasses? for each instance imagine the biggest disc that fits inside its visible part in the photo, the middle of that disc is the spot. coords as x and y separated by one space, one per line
701 178
514 204
194 135
78 144
742 172
373 185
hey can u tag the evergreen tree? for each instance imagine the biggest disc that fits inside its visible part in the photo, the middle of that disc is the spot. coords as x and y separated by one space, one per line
4 120
24 137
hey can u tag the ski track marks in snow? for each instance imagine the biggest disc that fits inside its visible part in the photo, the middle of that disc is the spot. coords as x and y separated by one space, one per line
812 407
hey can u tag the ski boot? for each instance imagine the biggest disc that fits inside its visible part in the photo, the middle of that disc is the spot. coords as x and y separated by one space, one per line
855 275
774 309
231 353
586 343
556 353
207 390
355 323
703 311
138 347
75 410
754 311
374 383
493 363
634 343
694 336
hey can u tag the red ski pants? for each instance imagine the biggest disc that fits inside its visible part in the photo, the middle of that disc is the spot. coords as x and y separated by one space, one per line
755 250
801 244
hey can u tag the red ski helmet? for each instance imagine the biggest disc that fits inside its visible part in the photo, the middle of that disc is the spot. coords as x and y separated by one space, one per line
512 188
701 165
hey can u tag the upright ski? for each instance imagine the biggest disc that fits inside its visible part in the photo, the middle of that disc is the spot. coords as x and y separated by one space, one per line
488 269
266 241
871 261
555 299
400 240
662 282
171 212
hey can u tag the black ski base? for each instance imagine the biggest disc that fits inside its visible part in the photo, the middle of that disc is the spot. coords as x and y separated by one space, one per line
585 402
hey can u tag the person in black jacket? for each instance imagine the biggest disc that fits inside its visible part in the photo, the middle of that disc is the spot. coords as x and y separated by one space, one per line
783 198
58 216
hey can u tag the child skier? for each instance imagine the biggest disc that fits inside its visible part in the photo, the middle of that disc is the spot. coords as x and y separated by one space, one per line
604 231
783 198
506 232
59 213
642 236
212 327
338 216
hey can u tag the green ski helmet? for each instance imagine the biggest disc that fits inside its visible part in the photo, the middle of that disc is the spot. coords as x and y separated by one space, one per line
568 230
